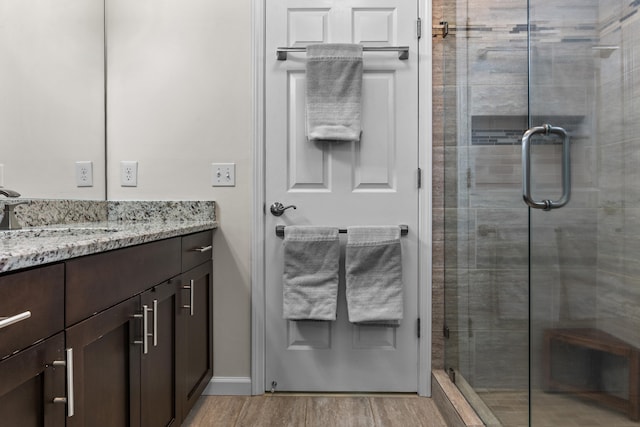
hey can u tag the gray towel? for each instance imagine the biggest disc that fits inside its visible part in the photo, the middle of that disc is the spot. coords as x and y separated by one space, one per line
374 274
334 90
311 263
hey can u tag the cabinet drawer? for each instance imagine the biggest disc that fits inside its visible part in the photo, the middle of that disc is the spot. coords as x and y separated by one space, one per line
99 281
196 249
39 291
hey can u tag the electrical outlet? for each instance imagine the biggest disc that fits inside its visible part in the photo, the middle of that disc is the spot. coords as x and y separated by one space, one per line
223 174
84 174
129 174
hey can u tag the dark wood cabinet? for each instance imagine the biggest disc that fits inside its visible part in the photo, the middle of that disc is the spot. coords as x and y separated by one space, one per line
31 340
196 337
137 350
30 382
106 367
38 292
159 376
96 282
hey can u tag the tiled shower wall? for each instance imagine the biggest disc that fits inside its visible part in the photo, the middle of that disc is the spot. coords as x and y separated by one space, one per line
584 257
618 134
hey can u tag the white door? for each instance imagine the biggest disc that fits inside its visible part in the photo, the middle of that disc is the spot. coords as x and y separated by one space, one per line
372 182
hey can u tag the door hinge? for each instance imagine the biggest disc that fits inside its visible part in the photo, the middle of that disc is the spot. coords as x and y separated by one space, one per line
445 331
440 30
418 327
419 178
419 27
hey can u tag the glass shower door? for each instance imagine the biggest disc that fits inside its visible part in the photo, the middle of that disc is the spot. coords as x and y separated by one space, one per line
584 256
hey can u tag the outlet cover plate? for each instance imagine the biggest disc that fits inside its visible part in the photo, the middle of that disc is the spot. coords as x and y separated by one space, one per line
128 173
223 174
84 174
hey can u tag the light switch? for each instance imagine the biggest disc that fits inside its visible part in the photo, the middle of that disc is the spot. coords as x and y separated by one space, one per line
223 174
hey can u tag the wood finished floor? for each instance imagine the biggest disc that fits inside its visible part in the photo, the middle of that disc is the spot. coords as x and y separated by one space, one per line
551 410
314 411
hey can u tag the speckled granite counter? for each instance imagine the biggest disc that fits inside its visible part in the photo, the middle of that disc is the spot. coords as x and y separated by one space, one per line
126 224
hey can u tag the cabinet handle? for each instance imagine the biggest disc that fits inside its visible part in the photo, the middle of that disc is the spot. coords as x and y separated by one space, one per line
69 400
155 322
145 329
8 321
191 299
202 249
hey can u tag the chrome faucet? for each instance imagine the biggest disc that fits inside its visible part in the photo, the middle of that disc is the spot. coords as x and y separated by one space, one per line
9 193
9 220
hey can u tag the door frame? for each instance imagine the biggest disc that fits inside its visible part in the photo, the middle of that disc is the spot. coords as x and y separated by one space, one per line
258 312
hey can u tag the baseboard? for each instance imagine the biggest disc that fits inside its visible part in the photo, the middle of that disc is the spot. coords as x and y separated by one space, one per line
228 386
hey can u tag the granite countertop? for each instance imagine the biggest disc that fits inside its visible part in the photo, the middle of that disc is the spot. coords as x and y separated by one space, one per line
30 247
122 224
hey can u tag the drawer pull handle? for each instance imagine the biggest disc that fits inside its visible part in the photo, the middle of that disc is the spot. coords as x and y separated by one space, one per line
202 249
191 297
8 321
69 400
155 322
145 328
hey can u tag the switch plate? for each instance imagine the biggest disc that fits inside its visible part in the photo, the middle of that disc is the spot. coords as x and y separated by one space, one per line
223 174
84 174
128 173
1 175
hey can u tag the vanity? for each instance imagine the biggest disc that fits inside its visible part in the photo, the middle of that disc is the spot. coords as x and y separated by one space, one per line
105 323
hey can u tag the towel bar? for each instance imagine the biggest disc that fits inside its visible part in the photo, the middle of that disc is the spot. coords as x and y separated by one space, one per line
403 51
404 230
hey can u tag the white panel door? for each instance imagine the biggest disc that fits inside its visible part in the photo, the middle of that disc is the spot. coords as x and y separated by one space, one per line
372 182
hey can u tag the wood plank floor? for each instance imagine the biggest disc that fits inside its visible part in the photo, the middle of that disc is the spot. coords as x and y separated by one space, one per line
315 411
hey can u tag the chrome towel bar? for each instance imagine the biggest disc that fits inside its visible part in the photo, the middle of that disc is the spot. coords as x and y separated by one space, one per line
403 51
404 230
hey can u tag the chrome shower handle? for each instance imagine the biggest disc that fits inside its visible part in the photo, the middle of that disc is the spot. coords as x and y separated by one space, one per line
546 204
277 209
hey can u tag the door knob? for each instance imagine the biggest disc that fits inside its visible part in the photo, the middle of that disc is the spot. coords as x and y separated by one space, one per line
278 208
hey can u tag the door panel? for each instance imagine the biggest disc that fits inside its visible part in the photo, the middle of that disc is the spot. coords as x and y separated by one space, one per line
370 182
195 338
29 384
158 368
107 367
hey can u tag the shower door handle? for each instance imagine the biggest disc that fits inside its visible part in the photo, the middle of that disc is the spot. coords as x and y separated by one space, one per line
546 204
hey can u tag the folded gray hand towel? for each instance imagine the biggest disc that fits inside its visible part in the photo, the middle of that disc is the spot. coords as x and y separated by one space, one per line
311 263
374 274
334 91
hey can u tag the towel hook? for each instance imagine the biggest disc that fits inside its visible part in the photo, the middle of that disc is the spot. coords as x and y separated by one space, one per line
277 209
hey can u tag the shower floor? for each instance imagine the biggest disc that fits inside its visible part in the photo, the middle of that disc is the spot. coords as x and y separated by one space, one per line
550 410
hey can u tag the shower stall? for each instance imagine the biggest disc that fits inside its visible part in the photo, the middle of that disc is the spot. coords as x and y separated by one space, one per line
542 302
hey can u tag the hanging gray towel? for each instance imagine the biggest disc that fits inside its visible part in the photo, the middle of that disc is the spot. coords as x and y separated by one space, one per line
311 263
374 274
334 91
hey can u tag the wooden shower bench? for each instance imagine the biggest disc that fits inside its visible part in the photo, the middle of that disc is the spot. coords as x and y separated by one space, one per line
601 343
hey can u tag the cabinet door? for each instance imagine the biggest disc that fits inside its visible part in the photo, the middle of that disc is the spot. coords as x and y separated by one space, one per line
29 384
158 383
196 344
106 361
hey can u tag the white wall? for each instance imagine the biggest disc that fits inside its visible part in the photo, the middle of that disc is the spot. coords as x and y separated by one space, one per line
178 99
